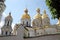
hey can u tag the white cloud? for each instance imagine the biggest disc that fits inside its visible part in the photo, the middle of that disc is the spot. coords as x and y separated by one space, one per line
13 25
4 15
1 23
2 20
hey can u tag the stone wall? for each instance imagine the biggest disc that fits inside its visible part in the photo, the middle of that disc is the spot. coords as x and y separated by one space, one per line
49 37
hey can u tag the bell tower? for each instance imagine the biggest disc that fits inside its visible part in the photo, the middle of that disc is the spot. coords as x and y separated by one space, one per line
7 29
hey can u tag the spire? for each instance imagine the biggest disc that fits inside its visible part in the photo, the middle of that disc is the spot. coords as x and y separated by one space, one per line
44 15
38 15
9 13
25 15
26 10
9 16
45 11
38 10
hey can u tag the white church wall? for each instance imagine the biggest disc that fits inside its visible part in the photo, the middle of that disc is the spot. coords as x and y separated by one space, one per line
51 30
25 21
37 23
46 21
40 32
20 32
31 33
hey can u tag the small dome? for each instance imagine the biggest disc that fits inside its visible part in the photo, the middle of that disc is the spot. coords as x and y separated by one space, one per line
26 10
38 10
16 26
44 15
58 23
26 15
38 15
9 17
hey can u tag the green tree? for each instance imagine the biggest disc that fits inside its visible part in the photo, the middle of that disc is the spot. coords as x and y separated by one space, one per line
54 6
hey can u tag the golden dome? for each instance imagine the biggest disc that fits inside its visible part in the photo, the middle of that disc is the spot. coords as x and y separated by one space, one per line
44 15
38 14
26 15
9 17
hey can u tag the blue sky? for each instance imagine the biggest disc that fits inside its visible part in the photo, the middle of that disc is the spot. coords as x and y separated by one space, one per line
16 7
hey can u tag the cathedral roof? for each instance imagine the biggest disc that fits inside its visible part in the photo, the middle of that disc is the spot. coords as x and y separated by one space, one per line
26 15
44 15
16 26
38 15
9 17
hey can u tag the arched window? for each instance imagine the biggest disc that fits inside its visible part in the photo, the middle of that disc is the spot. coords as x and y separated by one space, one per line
6 32
8 23
27 23
10 33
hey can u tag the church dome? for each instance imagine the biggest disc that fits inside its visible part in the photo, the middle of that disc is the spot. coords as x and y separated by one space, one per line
9 17
26 15
38 15
44 15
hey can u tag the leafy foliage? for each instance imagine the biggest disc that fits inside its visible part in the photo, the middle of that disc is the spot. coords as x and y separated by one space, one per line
54 6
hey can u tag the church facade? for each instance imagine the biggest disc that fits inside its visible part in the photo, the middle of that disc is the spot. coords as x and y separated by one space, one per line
7 28
39 26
